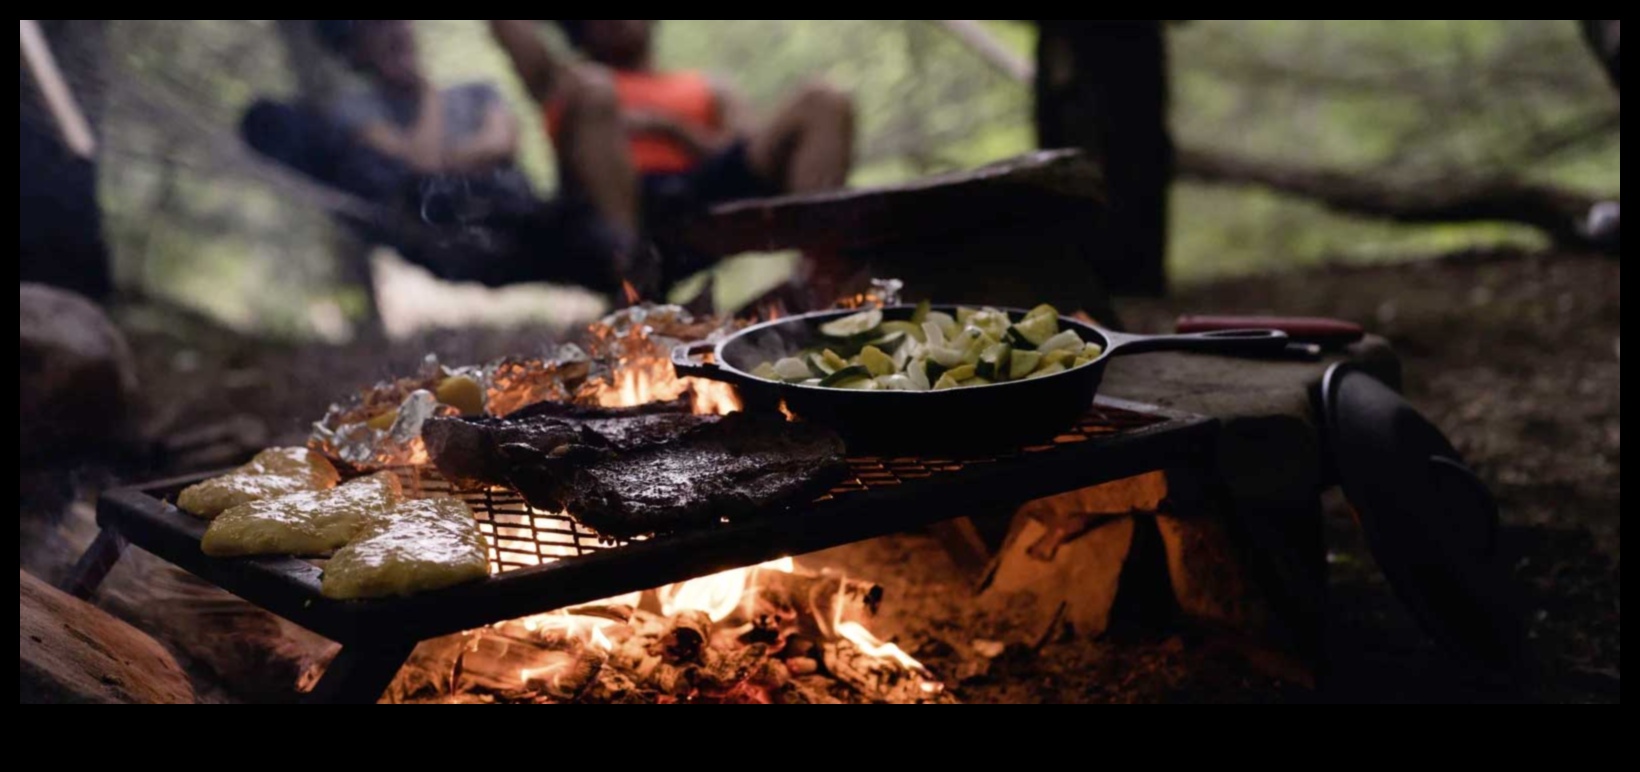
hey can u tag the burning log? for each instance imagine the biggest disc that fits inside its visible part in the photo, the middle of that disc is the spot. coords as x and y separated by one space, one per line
809 605
686 637
567 676
723 671
613 687
877 678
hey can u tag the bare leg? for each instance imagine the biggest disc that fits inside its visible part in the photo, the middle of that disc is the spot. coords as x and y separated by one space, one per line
592 152
809 146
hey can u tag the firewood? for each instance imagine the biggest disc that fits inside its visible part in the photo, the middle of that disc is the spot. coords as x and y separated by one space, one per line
686 637
877 679
724 670
811 604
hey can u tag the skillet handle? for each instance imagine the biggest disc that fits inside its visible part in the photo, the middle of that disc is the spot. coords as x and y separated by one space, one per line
1227 342
685 365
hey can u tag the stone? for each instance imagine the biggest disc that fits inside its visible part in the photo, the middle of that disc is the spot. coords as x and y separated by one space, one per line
1262 538
1043 578
76 377
1209 580
71 652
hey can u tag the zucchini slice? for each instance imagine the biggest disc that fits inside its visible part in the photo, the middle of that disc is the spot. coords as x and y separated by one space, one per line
845 375
853 325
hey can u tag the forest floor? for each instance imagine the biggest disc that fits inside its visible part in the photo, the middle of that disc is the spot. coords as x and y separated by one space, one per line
1516 357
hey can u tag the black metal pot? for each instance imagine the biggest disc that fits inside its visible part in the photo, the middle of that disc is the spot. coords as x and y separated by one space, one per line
998 416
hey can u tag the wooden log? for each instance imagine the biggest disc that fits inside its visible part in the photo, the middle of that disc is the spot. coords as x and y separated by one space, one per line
685 638
70 652
1558 212
974 201
807 604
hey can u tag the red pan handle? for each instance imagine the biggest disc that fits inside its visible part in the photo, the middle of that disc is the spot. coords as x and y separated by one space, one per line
1326 332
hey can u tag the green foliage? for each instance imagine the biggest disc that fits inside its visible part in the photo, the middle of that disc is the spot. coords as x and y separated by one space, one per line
1412 101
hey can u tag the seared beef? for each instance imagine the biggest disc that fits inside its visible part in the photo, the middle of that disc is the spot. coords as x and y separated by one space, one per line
719 468
466 450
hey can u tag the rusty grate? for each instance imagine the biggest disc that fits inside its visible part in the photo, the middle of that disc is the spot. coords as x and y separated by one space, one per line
522 537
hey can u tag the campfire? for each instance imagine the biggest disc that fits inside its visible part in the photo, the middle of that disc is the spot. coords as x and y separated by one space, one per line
768 634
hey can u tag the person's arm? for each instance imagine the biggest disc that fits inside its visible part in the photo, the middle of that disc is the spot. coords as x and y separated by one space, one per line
421 146
532 59
495 144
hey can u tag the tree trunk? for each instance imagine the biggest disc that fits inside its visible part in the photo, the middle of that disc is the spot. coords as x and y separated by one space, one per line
1102 86
1559 213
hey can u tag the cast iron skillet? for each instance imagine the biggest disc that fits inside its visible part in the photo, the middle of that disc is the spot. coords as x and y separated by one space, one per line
1001 415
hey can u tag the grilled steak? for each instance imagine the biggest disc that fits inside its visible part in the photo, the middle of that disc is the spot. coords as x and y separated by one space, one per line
466 450
715 469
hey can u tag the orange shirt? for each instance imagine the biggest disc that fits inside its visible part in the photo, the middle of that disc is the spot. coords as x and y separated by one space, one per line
685 97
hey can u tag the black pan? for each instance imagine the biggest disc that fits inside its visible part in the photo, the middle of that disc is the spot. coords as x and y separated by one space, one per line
1001 415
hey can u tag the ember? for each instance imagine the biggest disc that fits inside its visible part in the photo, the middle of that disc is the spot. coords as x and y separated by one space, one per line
764 634
769 634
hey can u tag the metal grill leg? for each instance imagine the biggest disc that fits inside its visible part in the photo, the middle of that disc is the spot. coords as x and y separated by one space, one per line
93 567
360 674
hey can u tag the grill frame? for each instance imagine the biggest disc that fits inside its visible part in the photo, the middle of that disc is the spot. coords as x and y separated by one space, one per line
1118 439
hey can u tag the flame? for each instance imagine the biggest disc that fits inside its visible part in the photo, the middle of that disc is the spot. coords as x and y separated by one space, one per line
631 293
772 310
719 595
871 645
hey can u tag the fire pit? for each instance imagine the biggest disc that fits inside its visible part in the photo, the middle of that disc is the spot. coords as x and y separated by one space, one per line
546 561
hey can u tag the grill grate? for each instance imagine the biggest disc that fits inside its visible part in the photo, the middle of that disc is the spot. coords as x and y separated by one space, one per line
522 537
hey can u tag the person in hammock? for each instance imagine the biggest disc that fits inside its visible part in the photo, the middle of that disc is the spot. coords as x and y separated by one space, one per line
645 147
441 162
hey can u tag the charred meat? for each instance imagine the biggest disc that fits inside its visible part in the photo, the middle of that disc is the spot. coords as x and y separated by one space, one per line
718 469
626 473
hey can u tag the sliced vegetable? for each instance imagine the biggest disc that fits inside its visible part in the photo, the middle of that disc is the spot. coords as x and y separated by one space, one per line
1065 341
832 360
890 343
913 329
384 421
1042 310
947 356
1038 329
917 371
791 369
462 393
1013 338
874 360
818 367
1022 363
1062 358
933 350
853 325
897 382
846 375
948 325
994 362
1046 370
921 314
933 370
991 322
933 334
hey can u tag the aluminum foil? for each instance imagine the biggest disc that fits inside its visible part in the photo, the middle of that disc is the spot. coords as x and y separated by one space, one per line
353 434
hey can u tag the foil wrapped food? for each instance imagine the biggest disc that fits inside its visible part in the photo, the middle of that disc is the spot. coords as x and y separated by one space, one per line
381 426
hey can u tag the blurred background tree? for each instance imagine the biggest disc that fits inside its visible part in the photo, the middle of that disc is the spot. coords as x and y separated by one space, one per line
194 219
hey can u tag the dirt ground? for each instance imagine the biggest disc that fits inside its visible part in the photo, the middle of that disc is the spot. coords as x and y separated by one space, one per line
1516 357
